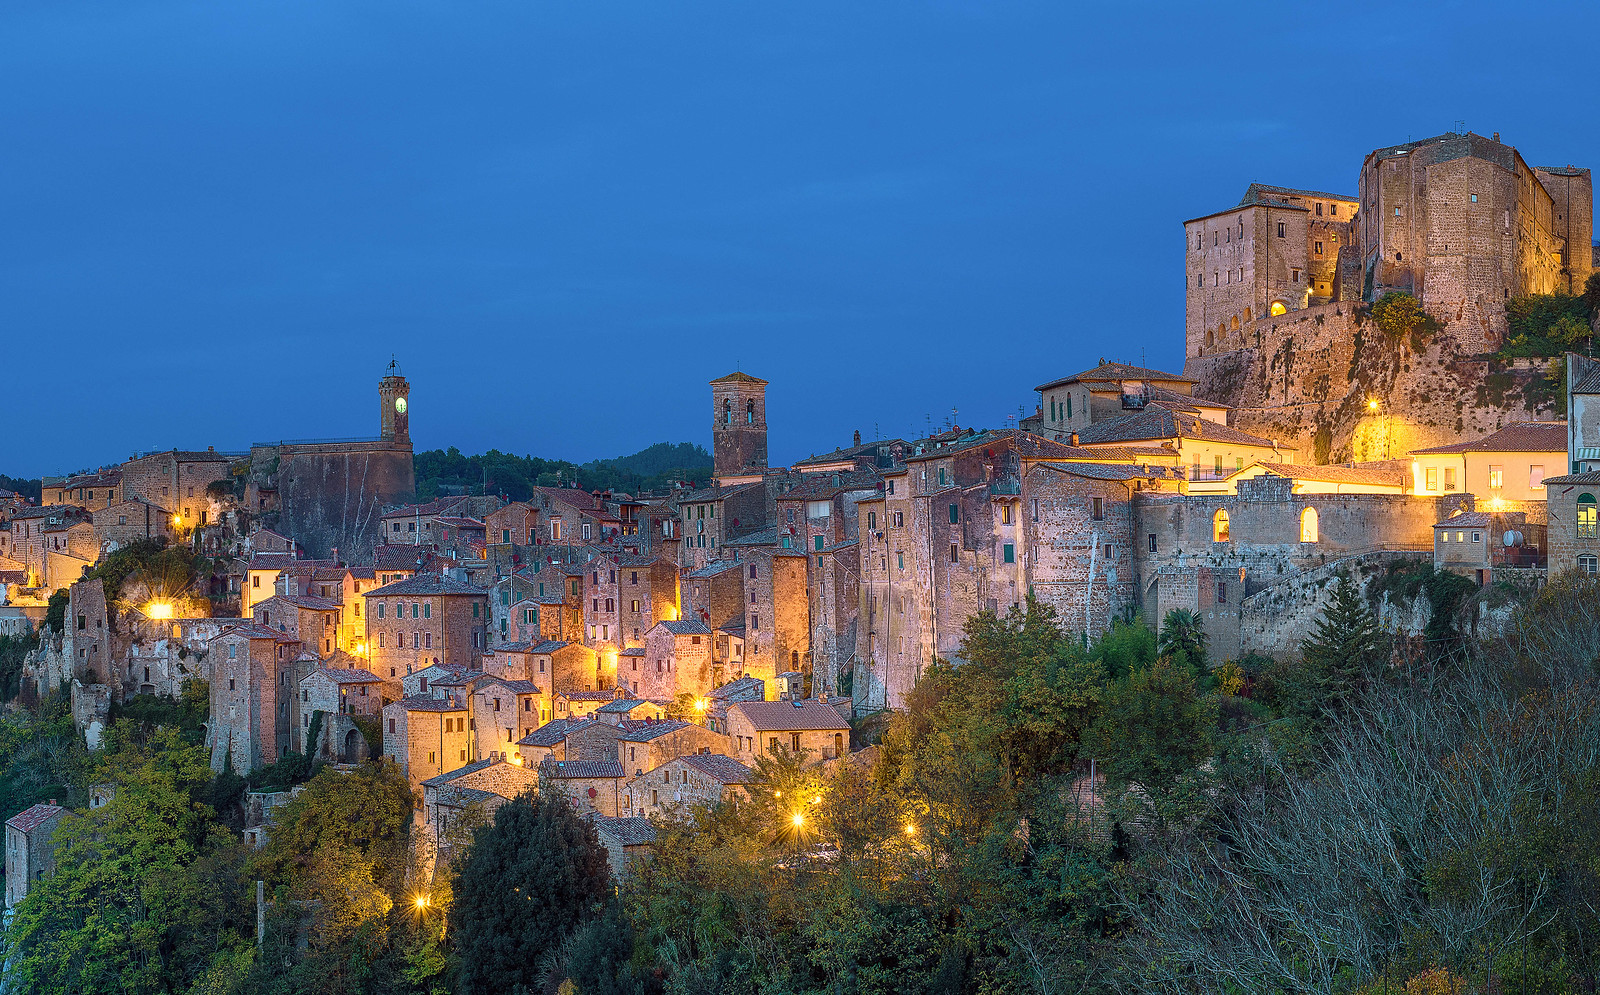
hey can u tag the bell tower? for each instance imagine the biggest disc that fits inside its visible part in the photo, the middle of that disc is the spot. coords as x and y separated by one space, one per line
394 418
739 425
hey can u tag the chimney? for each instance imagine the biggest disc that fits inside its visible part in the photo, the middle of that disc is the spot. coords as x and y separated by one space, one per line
1074 438
1497 136
52 801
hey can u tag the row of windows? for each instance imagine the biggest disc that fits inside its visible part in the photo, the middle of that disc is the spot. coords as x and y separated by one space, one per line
1310 530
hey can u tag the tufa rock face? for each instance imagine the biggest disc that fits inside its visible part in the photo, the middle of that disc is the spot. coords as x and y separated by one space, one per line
1307 379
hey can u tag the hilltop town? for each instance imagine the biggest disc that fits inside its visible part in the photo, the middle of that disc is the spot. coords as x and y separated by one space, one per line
1356 398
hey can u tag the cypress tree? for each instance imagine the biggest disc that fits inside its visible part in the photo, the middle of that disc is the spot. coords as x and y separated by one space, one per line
1344 643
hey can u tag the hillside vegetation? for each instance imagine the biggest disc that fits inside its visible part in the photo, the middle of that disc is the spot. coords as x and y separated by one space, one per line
447 471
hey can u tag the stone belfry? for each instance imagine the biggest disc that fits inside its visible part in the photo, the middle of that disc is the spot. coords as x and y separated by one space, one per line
739 425
394 402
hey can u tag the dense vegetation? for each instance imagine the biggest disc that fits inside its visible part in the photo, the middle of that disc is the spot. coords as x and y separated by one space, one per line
1376 818
447 471
28 488
1549 324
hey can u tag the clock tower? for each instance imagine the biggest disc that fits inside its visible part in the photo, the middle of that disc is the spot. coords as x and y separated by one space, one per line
393 401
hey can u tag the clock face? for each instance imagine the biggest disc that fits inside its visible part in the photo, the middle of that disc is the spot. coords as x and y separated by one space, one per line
400 405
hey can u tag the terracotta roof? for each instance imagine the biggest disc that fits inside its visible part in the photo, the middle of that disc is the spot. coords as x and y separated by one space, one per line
723 769
588 695
440 780
632 831
1587 477
738 377
427 584
458 522
386 557
586 768
1116 371
278 561
1390 472
32 818
425 510
785 716
1115 471
852 453
1520 437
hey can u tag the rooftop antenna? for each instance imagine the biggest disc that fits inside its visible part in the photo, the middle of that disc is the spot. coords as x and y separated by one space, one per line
1461 127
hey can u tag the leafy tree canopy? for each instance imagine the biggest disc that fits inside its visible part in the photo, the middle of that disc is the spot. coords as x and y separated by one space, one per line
447 471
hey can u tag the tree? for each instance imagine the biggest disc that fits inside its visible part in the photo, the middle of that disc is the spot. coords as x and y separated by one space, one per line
1335 657
1182 632
527 881
1153 733
147 887
1399 314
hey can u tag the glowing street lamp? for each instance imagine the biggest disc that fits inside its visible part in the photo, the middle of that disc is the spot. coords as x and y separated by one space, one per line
421 901
1372 404
158 610
911 830
798 820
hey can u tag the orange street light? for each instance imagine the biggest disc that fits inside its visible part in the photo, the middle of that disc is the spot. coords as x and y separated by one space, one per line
911 830
798 819
158 610
1372 404
422 901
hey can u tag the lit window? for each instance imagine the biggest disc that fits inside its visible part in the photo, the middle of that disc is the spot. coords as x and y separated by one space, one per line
1219 527
1496 476
1588 519
1308 525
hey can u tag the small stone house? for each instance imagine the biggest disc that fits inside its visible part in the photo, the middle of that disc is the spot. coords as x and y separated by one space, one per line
574 704
643 745
626 840
427 736
677 659
490 782
743 689
593 786
810 726
673 788
30 848
504 711
620 710
548 742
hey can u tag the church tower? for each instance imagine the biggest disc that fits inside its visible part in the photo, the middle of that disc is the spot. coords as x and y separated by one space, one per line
393 401
739 425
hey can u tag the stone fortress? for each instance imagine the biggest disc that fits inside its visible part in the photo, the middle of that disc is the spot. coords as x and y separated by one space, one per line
1277 317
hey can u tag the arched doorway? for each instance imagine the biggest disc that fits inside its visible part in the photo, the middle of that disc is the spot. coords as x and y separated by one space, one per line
353 747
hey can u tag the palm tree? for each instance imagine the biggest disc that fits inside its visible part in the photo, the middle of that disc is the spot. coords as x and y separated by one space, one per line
1181 632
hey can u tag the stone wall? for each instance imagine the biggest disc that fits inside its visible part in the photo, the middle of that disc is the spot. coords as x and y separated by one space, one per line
332 496
1305 379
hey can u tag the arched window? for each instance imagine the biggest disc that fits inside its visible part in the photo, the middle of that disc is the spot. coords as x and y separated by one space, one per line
1588 520
1234 323
1210 339
1278 307
1246 314
727 411
750 412
1308 525
1219 527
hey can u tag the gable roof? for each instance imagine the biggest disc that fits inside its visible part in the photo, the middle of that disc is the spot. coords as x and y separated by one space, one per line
340 676
1519 437
790 716
738 377
1108 372
1467 520
723 769
685 627
565 769
426 585
644 730
422 703
252 631
555 731
627 831
1389 472
621 705
32 818
1157 422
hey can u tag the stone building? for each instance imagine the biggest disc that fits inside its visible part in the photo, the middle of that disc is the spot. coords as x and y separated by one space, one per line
331 495
176 480
310 620
812 727
715 515
549 741
674 788
94 491
423 620
643 744
626 841
1506 466
30 848
340 695
129 521
253 687
739 426
676 660
626 594
593 786
428 736
1111 390
486 784
506 710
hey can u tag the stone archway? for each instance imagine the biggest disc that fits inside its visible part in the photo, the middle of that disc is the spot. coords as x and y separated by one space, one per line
354 747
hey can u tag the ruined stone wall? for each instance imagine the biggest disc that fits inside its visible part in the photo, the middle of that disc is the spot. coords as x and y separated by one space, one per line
332 496
1305 379
1276 621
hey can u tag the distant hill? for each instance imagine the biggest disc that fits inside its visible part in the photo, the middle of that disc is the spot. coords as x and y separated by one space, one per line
30 488
448 471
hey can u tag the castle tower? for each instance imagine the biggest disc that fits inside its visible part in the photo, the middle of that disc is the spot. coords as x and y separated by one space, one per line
739 425
393 401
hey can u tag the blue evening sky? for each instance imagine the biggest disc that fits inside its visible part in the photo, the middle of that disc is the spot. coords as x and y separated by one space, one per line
219 220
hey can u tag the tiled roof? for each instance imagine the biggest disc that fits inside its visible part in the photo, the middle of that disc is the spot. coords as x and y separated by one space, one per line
765 537
743 685
1589 383
108 478
851 454
32 818
633 651
277 561
1263 193
1116 371
1467 520
1587 477
724 769
1160 423
1520 437
386 557
586 768
440 780
631 831
622 705
422 703
1177 401
426 510
588 695
555 731
716 567
1389 472
574 497
644 730
548 646
460 523
252 631
738 377
817 486
715 493
427 584
1114 471
309 602
340 676
785 716
515 687
685 627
